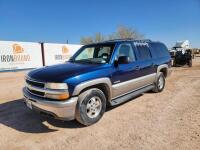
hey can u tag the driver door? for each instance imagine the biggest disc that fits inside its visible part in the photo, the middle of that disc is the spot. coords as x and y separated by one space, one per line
124 74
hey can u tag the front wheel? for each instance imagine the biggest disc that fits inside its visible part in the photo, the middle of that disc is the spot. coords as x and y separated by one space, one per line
174 63
91 106
160 83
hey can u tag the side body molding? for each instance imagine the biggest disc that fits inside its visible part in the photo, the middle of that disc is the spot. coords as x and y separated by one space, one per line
123 88
89 83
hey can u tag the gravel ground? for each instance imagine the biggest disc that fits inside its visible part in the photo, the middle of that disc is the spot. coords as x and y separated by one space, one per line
167 120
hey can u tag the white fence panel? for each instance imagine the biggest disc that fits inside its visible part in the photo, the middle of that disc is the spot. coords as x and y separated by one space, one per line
58 53
19 55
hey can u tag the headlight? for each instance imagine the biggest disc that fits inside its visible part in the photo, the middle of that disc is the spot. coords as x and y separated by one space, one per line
56 86
57 96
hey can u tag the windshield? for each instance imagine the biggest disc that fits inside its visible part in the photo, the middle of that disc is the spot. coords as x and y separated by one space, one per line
99 53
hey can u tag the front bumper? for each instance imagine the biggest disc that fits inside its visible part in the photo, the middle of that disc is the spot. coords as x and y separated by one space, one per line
62 110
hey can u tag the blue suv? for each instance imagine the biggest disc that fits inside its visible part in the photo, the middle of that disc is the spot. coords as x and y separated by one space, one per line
98 75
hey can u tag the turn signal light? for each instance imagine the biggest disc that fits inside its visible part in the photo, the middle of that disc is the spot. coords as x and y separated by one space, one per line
58 96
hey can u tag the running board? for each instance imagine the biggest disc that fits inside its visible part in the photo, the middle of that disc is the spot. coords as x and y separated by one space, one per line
131 95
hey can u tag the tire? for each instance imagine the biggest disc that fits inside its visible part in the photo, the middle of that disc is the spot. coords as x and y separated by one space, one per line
160 83
193 56
90 107
174 63
190 63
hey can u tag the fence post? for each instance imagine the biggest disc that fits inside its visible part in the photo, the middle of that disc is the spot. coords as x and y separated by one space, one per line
42 50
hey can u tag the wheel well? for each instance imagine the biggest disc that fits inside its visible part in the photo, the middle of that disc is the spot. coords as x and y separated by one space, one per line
164 71
103 87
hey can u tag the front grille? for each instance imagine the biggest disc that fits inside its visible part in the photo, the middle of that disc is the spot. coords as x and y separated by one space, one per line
172 53
32 85
35 83
36 92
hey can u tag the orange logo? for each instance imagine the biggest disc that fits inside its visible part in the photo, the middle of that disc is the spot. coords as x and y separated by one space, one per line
65 50
17 49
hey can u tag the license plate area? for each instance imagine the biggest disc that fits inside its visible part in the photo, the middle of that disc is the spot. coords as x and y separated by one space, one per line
28 104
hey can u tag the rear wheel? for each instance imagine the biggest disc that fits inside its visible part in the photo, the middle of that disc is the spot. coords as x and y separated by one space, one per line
91 106
190 63
160 83
174 63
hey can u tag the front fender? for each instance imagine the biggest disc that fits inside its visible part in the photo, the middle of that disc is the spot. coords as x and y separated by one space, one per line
93 82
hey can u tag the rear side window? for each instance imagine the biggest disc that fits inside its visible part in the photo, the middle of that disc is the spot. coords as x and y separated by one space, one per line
159 49
143 52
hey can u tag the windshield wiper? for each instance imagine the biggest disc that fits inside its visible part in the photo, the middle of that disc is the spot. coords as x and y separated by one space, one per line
82 61
87 61
70 60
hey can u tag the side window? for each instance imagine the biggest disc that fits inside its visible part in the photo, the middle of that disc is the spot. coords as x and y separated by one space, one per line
164 50
143 51
126 50
104 52
159 49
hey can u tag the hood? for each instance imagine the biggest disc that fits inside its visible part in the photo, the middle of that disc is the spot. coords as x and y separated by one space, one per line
59 73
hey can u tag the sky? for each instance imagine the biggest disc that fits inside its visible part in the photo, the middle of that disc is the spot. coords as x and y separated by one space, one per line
59 21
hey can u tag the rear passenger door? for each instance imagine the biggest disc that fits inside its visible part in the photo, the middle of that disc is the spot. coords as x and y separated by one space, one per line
145 63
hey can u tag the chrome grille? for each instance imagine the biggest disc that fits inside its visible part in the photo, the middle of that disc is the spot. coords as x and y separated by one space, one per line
33 83
37 93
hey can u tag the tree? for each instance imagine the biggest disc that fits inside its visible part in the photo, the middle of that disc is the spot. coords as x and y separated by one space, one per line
123 32
98 37
86 40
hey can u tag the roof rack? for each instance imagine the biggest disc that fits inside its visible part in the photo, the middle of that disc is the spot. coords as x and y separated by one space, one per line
142 41
129 39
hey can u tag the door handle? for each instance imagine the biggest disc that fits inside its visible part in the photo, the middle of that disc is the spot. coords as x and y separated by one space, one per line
137 68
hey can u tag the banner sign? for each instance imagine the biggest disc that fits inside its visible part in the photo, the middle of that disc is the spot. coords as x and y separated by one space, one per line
58 53
19 55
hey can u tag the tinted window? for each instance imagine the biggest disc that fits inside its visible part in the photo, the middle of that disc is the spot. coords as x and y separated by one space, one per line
159 49
143 52
126 50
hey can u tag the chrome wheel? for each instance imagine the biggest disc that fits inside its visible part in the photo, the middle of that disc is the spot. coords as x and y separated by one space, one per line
160 83
93 107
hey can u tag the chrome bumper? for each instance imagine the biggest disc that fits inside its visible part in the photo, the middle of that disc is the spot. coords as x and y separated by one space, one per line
63 110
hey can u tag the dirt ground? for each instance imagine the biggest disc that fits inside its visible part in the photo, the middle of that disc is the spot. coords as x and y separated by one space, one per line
168 120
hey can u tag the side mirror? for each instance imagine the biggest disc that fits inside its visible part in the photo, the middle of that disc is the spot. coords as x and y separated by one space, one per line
123 60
